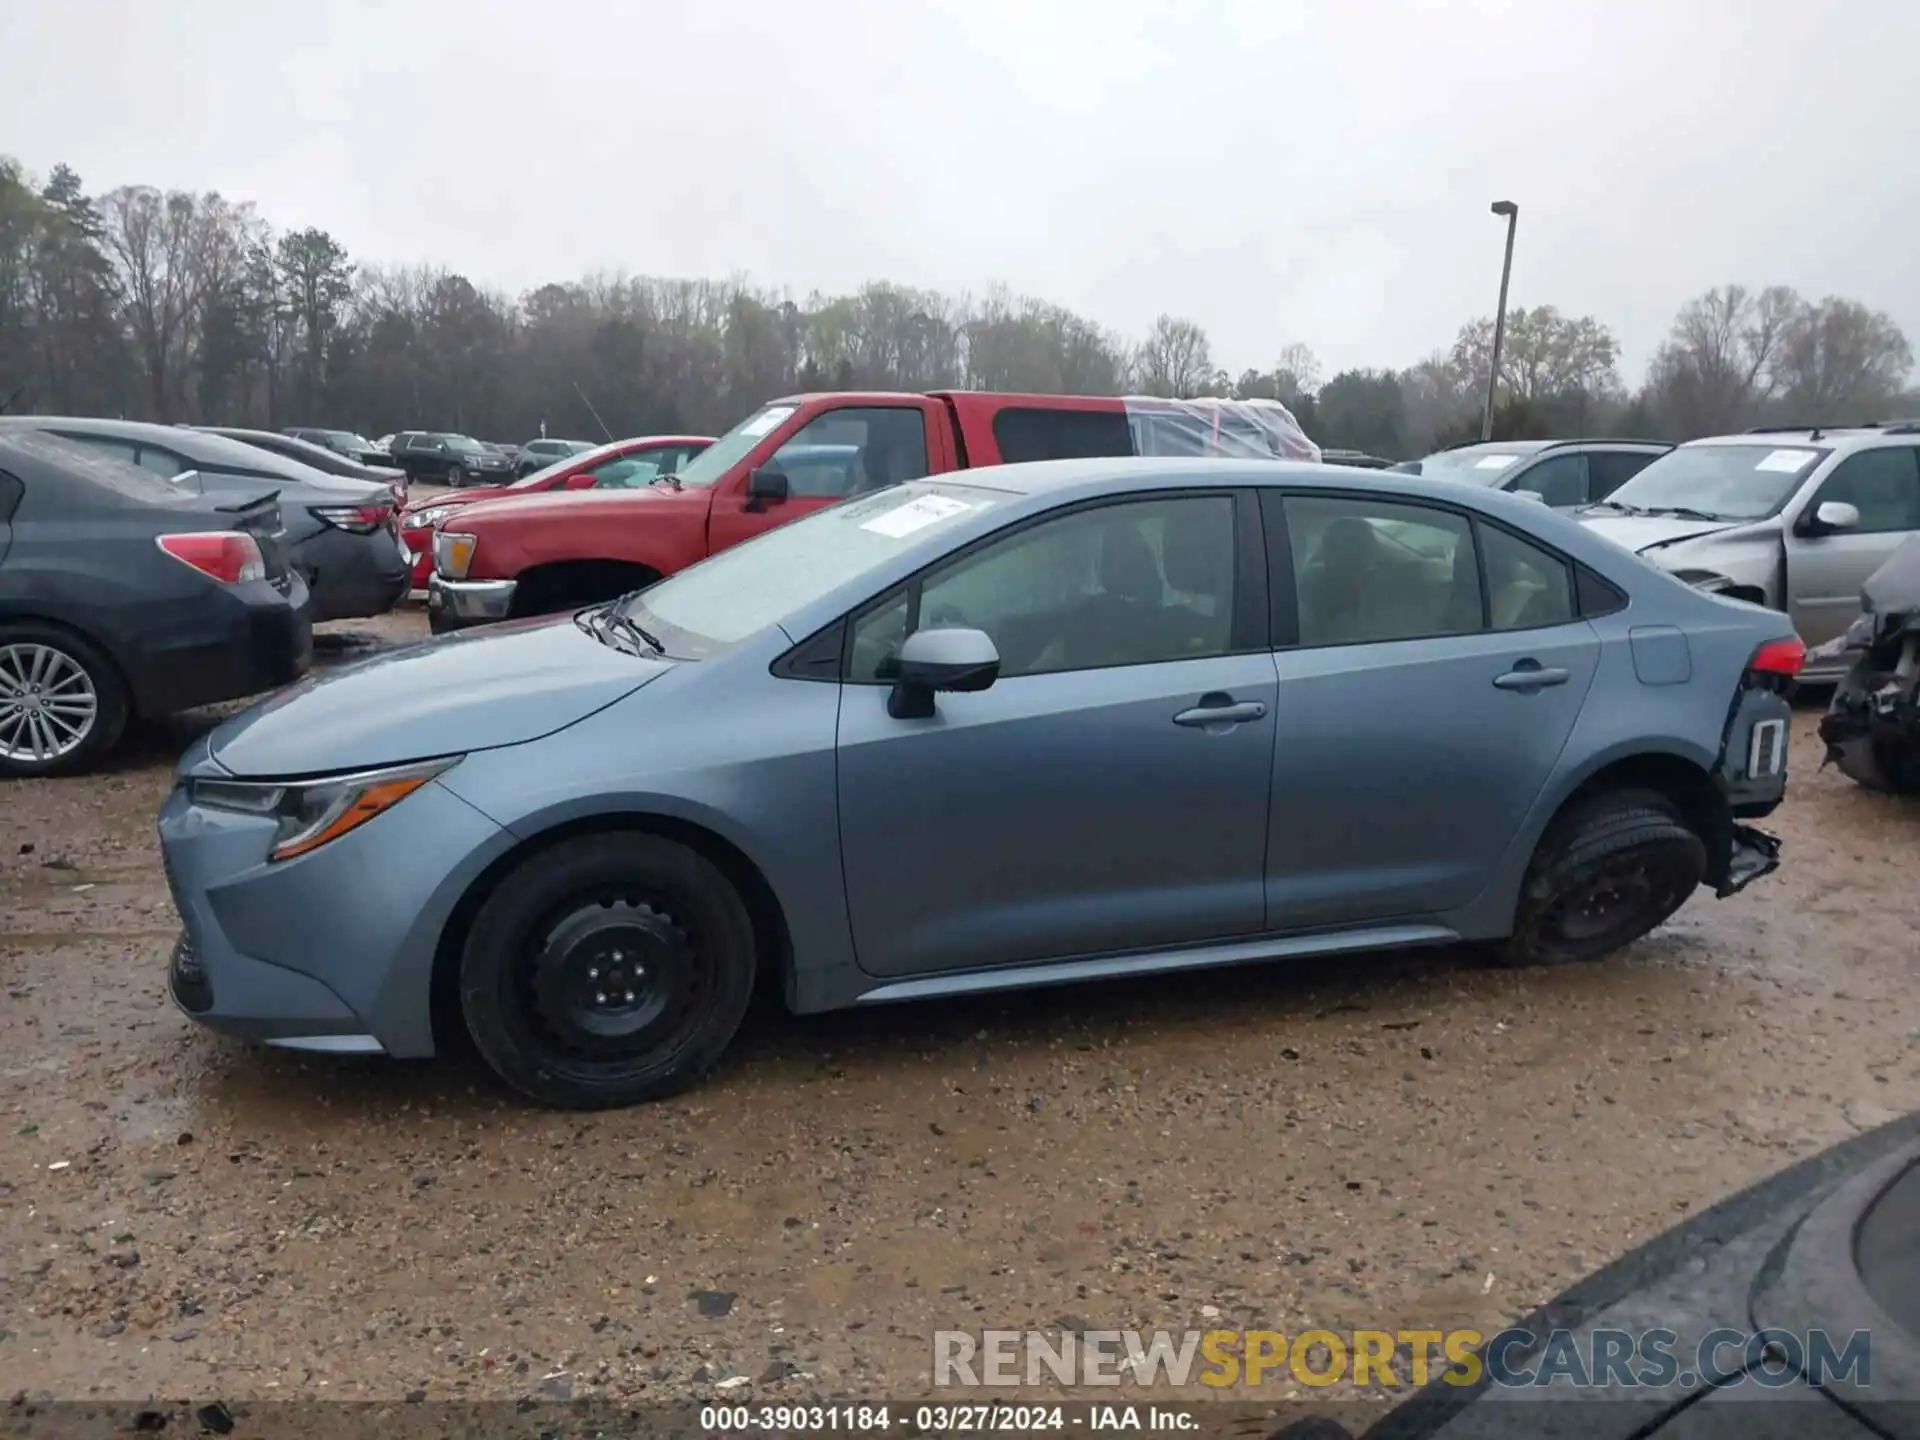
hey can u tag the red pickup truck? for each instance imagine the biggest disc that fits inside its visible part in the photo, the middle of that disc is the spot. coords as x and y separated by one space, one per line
497 559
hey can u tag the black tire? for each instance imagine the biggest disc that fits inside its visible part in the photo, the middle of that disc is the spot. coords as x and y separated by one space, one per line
1609 870
648 915
456 476
112 704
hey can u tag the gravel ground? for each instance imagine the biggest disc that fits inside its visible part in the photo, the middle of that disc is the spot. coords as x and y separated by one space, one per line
1401 1141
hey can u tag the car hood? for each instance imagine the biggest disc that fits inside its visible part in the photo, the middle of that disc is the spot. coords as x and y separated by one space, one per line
1642 533
575 502
502 685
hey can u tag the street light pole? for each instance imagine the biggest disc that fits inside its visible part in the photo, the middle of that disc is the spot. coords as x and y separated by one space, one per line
1512 212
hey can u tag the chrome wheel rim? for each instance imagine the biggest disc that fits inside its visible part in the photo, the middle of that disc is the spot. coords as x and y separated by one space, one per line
48 705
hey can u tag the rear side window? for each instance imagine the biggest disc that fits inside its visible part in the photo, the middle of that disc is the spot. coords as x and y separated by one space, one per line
1022 434
1527 587
1608 470
1372 570
106 464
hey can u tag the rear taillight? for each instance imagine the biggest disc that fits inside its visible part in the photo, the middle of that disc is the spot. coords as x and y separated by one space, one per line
225 555
1779 657
354 519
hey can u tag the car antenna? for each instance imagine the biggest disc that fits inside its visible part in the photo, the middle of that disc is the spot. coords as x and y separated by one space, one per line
595 413
7 404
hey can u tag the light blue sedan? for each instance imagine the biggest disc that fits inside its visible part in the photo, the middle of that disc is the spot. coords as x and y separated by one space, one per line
1010 727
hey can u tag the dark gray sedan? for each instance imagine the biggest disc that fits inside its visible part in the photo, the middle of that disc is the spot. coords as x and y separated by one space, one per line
342 534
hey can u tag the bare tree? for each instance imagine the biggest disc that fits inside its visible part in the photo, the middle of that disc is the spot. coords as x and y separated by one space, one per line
1841 363
1544 354
1174 359
1717 368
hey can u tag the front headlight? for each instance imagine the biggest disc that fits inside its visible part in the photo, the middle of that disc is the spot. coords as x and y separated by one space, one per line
425 519
452 553
309 813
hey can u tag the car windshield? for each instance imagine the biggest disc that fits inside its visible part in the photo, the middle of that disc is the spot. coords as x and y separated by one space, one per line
743 589
587 455
1478 464
464 445
1722 482
718 458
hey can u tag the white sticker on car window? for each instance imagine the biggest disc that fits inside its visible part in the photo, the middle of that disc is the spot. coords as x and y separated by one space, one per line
1494 462
1786 461
765 421
903 520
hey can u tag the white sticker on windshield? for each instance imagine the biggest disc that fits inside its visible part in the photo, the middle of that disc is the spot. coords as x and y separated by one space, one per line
1495 462
903 520
1786 461
765 421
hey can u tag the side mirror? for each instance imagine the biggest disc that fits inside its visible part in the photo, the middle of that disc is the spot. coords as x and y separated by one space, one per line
1831 515
1531 495
948 658
767 486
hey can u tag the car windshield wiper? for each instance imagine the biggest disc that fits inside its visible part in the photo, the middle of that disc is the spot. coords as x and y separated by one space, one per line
618 620
1623 508
1683 512
604 622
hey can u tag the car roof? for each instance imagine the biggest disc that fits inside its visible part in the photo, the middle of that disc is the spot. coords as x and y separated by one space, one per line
1836 437
200 446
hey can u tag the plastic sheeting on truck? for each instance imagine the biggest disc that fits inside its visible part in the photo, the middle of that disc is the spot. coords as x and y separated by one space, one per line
1235 429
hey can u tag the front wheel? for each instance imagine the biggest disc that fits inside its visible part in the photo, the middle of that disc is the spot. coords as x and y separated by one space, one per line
62 703
1607 872
610 970
456 475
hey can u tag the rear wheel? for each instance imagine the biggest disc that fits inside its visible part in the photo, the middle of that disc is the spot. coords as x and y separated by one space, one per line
607 971
1609 870
62 703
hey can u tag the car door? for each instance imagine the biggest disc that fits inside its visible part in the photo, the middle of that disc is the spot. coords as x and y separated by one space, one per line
880 445
1109 791
1825 569
1418 718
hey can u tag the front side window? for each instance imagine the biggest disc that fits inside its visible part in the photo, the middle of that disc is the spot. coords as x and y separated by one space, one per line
1559 480
1127 584
1373 570
163 463
1608 470
849 452
1022 433
1883 485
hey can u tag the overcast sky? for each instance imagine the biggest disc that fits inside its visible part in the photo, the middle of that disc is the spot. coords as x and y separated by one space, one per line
1277 171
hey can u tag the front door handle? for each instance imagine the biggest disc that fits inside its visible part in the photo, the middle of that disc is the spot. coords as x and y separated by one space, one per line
1529 675
1222 712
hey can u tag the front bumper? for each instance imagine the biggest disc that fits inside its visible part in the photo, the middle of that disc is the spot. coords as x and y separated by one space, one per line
456 604
353 576
333 950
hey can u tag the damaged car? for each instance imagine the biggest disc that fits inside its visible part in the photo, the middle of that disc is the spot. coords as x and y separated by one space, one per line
989 729
1792 518
1872 728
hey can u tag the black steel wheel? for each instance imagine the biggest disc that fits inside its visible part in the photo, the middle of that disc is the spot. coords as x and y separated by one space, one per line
1613 868
608 970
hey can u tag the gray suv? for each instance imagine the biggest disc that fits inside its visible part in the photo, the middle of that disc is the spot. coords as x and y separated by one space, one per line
1565 474
1792 519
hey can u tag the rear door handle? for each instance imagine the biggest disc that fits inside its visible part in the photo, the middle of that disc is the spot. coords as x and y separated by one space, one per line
1220 711
1528 675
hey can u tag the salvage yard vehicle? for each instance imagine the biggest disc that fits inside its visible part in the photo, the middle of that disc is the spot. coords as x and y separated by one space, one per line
1794 519
344 443
539 454
317 457
1872 727
448 459
341 534
124 596
1563 473
1010 727
795 456
619 465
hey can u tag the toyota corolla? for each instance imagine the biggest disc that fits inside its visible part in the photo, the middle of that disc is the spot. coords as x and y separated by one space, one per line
1038 724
